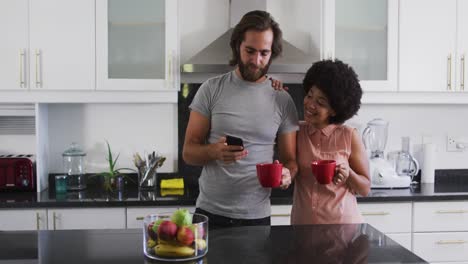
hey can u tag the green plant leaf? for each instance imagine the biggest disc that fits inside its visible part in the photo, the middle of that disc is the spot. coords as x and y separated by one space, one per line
115 161
109 157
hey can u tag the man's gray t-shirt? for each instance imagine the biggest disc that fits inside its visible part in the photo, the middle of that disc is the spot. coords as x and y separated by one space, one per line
256 113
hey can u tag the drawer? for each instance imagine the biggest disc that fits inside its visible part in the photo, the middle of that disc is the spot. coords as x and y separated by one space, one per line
387 217
403 239
135 215
281 215
440 216
86 218
441 247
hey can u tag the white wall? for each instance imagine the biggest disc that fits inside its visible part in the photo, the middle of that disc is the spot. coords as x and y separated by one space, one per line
196 19
128 128
434 122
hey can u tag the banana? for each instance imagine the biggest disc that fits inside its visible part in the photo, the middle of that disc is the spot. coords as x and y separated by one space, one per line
201 244
173 251
151 243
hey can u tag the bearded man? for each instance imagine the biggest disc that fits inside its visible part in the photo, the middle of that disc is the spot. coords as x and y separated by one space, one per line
242 103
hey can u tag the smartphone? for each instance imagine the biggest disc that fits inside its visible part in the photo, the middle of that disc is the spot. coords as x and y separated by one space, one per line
234 141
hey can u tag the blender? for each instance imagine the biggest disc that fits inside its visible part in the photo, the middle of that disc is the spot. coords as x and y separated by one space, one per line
382 172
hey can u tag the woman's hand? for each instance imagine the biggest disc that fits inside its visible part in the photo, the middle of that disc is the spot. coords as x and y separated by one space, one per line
285 178
277 84
341 173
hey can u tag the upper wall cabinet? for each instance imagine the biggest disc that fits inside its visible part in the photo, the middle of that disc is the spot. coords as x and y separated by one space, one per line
137 45
433 44
14 44
47 45
364 34
62 44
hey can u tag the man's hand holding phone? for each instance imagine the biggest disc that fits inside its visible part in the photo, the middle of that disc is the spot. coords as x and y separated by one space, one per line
229 149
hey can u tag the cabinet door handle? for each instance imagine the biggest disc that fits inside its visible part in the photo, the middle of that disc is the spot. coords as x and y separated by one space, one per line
169 69
21 68
139 218
54 217
280 215
452 211
38 218
449 72
38 69
446 242
375 213
462 72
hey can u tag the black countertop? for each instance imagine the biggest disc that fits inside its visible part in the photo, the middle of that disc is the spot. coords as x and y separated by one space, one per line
259 244
446 188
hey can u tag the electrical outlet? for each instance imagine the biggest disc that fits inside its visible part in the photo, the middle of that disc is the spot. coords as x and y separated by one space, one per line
452 142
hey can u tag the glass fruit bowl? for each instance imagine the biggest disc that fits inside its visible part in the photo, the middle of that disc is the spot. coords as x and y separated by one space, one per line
177 236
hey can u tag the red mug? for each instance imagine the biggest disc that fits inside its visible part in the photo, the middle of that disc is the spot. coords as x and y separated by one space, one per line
269 174
324 170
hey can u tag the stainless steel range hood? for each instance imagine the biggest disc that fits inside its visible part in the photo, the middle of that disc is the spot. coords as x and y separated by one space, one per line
215 57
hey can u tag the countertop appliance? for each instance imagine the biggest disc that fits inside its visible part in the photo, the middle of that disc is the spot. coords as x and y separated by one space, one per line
382 173
17 172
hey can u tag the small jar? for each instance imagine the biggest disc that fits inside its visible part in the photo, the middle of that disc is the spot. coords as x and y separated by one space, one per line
61 183
74 166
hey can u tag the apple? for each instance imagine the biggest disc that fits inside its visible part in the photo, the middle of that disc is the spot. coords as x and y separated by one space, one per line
167 230
185 235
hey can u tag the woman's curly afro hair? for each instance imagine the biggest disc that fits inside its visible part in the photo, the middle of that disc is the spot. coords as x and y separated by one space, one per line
339 83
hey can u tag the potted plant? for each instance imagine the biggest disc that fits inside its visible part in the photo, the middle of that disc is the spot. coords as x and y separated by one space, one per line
113 178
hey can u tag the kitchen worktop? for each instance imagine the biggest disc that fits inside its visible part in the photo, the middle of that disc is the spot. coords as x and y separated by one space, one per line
359 243
445 188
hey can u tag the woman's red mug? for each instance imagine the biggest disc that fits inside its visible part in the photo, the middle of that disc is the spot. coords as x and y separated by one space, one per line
323 170
269 174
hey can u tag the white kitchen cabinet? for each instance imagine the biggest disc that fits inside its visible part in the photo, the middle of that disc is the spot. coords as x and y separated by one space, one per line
86 218
393 219
137 45
440 230
14 46
462 47
430 51
23 219
364 34
440 216
135 215
281 215
388 217
450 246
62 44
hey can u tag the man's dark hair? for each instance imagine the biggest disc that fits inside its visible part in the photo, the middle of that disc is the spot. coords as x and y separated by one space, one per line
339 83
259 21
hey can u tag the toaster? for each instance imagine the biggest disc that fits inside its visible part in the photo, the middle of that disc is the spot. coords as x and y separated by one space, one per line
17 173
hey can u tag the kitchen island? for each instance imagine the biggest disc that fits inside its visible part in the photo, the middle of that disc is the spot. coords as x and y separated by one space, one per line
360 243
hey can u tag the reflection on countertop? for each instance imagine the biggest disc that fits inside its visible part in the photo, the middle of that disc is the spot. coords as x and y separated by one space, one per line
353 243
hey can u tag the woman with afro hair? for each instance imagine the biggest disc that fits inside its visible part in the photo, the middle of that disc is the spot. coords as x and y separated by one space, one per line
332 96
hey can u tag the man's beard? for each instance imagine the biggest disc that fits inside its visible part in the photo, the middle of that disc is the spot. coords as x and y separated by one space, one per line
252 73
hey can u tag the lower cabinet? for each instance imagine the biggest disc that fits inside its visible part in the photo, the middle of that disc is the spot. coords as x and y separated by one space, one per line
86 218
280 215
393 219
135 215
23 219
442 247
441 231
